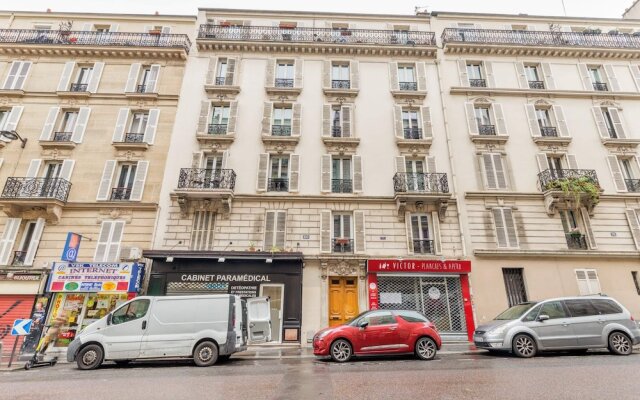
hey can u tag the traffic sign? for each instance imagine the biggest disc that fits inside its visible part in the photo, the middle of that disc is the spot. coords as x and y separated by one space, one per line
21 327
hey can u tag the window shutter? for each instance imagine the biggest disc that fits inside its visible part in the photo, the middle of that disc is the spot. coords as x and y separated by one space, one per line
233 118
96 74
583 283
397 119
594 282
166 30
572 161
326 74
299 67
407 222
132 79
634 225
431 164
12 75
611 78
35 241
326 120
422 76
114 27
225 159
393 76
203 119
11 227
14 118
294 168
501 233
211 71
270 75
587 227
488 69
543 162
472 123
509 223
616 173
325 168
103 241
618 122
267 118
501 176
401 164
357 174
427 128
105 182
154 75
22 75
501 125
462 71
598 115
534 127
47 129
121 124
63 84
354 69
152 126
263 168
549 82
297 120
67 169
489 171
360 237
522 77
81 125
347 121
325 231
113 248
635 72
138 183
561 121
269 228
34 167
281 226
230 78
587 83
437 241
196 159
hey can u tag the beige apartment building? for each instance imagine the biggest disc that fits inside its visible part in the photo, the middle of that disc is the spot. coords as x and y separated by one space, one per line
89 101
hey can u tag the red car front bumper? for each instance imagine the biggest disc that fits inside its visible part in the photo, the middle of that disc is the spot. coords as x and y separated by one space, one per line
320 347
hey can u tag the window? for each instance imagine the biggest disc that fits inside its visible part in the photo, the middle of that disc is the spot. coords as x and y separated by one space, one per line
411 316
340 76
342 233
415 175
102 28
556 166
554 310
4 117
581 308
67 125
81 83
50 185
341 175
137 127
336 121
636 281
17 74
400 34
514 285
202 230
221 72
279 175
407 77
599 83
605 306
410 124
378 318
588 282
476 79
506 235
422 242
608 121
533 77
494 171
284 74
274 232
281 125
219 120
483 119
27 236
148 79
108 247
533 314
129 312
212 172
125 182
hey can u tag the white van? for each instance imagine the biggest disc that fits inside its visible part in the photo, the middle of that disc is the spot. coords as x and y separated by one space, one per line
205 328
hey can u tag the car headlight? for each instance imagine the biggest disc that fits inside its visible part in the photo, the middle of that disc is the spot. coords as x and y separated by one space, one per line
323 335
499 330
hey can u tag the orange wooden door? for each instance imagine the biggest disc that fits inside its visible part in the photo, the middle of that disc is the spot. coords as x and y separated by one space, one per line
343 299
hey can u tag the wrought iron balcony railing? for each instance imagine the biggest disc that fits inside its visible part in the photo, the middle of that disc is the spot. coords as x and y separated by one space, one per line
278 185
217 129
412 133
202 178
221 80
342 186
78 87
36 188
487 129
600 87
633 185
88 38
342 245
549 131
283 83
141 88
340 84
281 130
478 82
120 193
536 84
336 131
419 182
133 137
549 178
423 246
311 35
18 258
410 86
540 38
576 241
62 136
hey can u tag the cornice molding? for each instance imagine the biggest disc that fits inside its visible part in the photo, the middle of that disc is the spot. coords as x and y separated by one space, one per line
543 93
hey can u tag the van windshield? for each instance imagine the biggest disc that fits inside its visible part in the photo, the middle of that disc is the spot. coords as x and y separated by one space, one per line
514 312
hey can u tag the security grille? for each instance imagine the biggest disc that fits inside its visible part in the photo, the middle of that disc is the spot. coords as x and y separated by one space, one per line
197 287
437 297
514 284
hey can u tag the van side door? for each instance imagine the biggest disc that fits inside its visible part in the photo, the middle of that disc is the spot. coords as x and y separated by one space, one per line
259 318
125 329
554 332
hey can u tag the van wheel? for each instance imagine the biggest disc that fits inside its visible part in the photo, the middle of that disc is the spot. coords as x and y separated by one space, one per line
341 351
205 354
426 348
620 344
90 357
524 346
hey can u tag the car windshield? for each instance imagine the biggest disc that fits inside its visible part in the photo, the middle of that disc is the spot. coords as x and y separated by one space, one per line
514 312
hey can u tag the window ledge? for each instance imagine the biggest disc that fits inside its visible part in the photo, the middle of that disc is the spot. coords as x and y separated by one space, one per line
130 145
341 92
284 91
615 143
280 144
12 92
506 253
551 141
341 145
409 94
222 89
489 138
583 94
50 144
136 95
414 146
205 138
80 94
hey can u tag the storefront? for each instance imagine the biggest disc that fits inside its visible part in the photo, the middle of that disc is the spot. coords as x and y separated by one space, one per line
85 292
438 289
246 274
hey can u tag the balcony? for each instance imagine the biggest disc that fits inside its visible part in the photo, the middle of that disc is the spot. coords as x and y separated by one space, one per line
569 189
22 194
415 191
59 140
341 185
18 258
540 43
133 137
328 40
278 185
141 89
576 241
85 43
120 194
217 129
410 86
132 141
78 87
633 185
539 85
549 131
342 245
412 133
283 83
201 184
281 130
340 84
478 83
487 130
423 246
600 87
62 136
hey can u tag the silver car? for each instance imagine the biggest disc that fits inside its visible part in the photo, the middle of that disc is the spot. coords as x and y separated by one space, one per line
568 323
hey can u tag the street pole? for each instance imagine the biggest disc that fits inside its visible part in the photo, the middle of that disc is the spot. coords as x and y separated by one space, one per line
13 352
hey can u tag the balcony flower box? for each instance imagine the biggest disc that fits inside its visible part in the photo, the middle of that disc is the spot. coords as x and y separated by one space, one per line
73 40
342 241
287 26
225 24
345 32
155 32
575 233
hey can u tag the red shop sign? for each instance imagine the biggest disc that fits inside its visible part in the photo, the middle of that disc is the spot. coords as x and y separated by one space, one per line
450 266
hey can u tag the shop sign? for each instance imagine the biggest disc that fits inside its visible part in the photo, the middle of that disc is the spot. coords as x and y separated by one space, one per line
20 277
434 266
95 277
243 285
372 281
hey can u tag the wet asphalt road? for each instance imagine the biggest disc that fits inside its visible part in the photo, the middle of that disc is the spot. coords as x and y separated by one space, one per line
479 376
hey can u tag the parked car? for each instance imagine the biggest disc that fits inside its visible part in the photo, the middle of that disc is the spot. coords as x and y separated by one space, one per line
569 323
205 328
379 332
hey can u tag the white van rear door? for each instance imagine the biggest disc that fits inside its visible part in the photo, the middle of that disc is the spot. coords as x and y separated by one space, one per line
259 317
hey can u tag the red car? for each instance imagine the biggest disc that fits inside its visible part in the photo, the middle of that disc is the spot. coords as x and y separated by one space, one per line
379 332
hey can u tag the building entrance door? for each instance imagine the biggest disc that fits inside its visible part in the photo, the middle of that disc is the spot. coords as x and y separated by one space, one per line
275 292
343 299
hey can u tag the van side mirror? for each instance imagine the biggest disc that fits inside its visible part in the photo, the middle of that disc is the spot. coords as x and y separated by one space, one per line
109 318
543 317
363 324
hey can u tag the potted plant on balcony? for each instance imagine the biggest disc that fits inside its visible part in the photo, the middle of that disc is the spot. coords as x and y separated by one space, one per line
575 233
577 188
155 31
252 246
342 241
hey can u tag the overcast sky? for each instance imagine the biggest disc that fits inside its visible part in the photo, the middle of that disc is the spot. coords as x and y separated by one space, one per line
579 8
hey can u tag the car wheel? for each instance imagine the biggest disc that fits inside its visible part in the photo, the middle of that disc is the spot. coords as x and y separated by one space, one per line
90 357
205 354
341 351
524 346
620 344
426 348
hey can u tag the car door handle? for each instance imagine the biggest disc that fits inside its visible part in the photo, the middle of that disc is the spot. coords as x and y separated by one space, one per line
393 328
144 324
